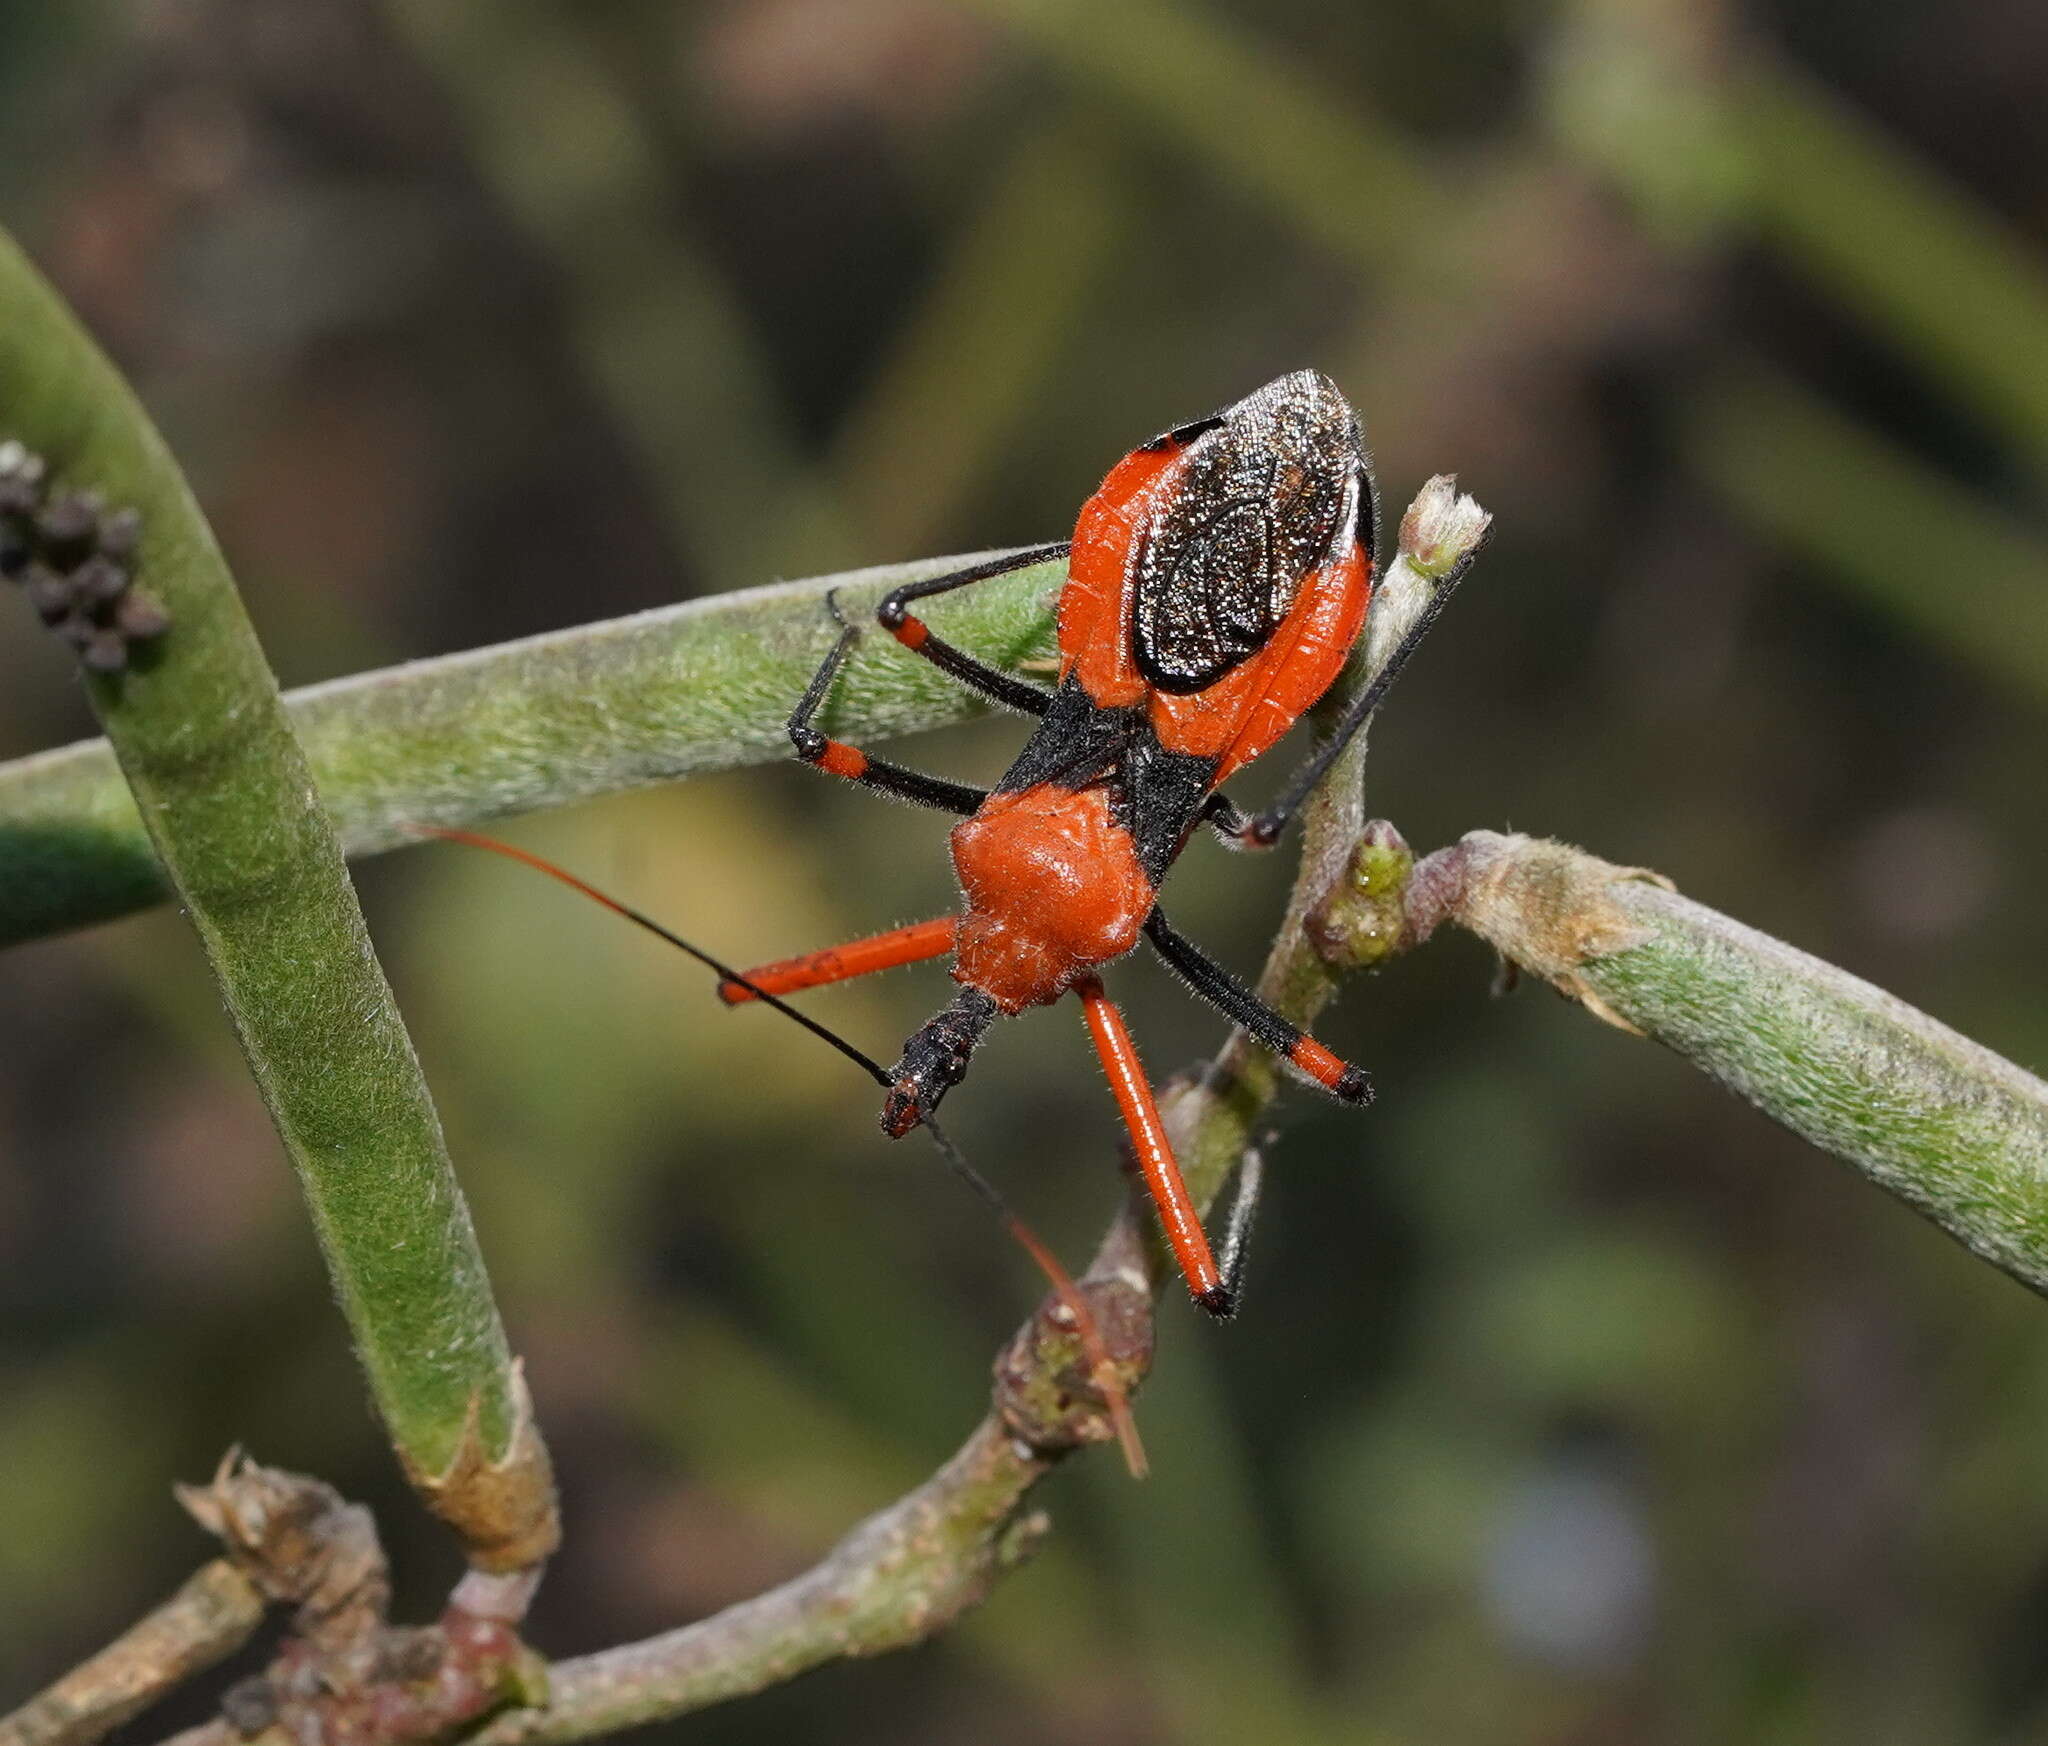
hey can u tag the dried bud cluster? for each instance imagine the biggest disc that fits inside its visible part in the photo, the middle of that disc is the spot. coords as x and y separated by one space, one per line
403 1687
75 560
346 1676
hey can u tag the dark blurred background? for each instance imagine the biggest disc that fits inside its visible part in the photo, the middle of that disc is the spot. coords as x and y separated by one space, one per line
1573 1402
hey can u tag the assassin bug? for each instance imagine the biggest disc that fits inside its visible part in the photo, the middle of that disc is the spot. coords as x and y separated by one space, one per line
1216 584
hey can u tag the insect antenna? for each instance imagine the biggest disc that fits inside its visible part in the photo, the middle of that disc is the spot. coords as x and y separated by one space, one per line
1101 1373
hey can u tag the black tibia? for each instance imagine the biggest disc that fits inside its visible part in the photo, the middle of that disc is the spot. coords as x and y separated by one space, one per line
1236 1224
837 758
894 612
1265 496
1216 985
820 686
1265 829
935 1060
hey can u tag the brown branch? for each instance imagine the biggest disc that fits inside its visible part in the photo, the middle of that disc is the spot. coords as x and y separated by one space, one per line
346 1674
343 1675
899 1577
211 1616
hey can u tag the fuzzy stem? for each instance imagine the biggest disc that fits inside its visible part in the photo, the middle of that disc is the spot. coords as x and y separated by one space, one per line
1942 1122
542 722
223 790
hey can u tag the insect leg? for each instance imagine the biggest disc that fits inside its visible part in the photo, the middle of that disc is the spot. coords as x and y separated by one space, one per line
911 945
895 617
1156 1162
1236 1242
837 758
1102 1373
1221 811
1216 985
1263 830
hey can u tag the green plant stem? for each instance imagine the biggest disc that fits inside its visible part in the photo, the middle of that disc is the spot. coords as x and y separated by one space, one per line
222 789
1942 1122
539 723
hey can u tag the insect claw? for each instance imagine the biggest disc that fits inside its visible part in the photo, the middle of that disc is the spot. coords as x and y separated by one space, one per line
838 612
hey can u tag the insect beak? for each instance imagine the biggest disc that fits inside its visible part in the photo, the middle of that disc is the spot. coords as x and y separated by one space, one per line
934 1061
901 1112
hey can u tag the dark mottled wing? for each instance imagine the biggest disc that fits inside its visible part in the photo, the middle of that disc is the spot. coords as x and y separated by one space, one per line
1204 599
1258 503
1218 572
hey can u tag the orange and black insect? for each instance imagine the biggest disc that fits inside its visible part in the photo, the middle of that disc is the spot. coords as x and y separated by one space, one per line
1216 584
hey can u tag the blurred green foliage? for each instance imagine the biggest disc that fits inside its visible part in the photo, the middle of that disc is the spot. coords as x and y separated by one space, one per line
1572 1401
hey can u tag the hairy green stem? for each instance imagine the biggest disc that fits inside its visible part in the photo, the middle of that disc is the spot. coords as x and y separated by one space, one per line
1940 1121
538 723
222 788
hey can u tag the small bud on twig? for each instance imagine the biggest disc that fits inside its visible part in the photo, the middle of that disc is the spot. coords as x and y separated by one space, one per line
346 1676
1442 527
1362 919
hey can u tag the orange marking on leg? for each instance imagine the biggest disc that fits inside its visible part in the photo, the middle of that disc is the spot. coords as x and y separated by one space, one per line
911 945
911 633
1156 1162
1317 1062
1336 1076
840 759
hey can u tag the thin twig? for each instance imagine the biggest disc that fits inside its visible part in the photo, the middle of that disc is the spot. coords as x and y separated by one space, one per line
213 1614
899 1577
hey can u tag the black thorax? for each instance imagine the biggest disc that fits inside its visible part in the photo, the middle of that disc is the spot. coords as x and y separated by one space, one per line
1154 793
